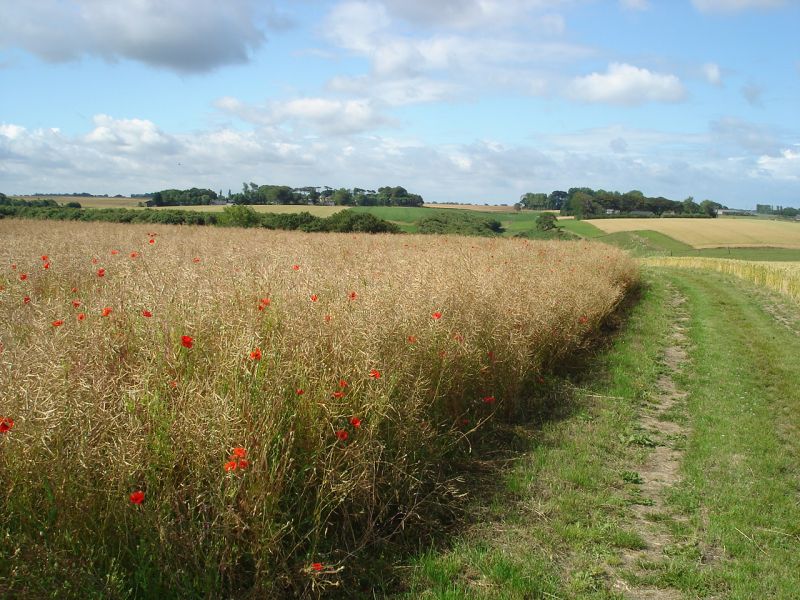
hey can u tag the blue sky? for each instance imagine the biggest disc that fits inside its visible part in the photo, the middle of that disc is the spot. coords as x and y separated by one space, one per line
458 100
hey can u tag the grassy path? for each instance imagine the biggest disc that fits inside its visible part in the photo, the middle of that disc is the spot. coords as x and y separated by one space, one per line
670 472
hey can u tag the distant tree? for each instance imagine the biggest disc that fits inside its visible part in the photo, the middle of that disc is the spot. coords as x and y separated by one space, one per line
546 222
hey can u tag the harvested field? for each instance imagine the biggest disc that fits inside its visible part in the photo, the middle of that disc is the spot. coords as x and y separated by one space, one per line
228 413
713 233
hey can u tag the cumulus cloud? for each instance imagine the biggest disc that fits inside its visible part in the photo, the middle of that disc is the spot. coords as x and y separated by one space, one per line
627 85
735 5
785 166
325 115
181 35
713 74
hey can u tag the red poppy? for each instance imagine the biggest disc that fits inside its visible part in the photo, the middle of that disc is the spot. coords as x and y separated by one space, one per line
328 318
23 277
13 267
342 434
58 323
230 465
187 341
6 423
81 316
152 241
243 464
106 311
146 313
299 391
295 267
196 259
338 394
134 254
458 337
352 295
114 252
173 384
583 320
95 261
239 452
46 265
412 339
355 422
255 354
488 399
76 303
316 566
137 497
26 300
101 272
314 297
265 302
375 374
45 258
342 383
437 315
74 290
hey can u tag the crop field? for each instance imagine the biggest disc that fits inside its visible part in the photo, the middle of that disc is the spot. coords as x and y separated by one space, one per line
478 207
196 412
783 277
713 233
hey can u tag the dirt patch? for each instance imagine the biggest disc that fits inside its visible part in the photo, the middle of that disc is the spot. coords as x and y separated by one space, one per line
660 470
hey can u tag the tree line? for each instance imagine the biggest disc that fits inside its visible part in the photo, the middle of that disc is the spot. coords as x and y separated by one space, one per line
252 193
585 202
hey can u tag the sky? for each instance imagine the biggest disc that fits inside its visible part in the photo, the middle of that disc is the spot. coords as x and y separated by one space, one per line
474 101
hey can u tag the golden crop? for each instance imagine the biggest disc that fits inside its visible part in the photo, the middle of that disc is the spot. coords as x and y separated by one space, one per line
244 410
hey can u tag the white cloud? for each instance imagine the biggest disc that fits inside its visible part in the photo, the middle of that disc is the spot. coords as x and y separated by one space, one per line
627 85
182 35
735 5
468 13
635 4
713 74
785 166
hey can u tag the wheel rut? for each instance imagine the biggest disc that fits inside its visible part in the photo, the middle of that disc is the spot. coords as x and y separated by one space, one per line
660 470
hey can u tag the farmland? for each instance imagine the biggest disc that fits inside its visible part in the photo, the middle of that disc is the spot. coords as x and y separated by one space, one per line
197 412
712 233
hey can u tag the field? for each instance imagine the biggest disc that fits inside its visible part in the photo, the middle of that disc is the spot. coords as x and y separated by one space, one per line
494 208
712 233
197 412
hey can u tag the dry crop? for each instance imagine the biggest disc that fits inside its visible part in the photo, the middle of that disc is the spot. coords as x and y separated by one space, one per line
783 277
199 412
713 233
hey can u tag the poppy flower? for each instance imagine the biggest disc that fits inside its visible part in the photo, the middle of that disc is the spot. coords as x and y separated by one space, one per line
295 267
375 374
314 297
352 295
76 303
239 452
342 434
95 261
255 354
146 313
187 341
173 384
134 255
114 252
137 497
328 318
338 394
316 566
458 337
436 316
355 422
6 423
23 277
26 300
74 290
230 465
152 241
299 391
488 399
412 339
101 272
106 311
196 259
13 267
583 320
58 323
243 464
342 383
81 316
46 265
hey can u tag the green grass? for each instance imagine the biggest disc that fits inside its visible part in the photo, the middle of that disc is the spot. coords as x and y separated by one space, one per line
560 516
581 228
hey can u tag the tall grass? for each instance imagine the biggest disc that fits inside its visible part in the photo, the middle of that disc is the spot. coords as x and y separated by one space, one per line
783 277
348 420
